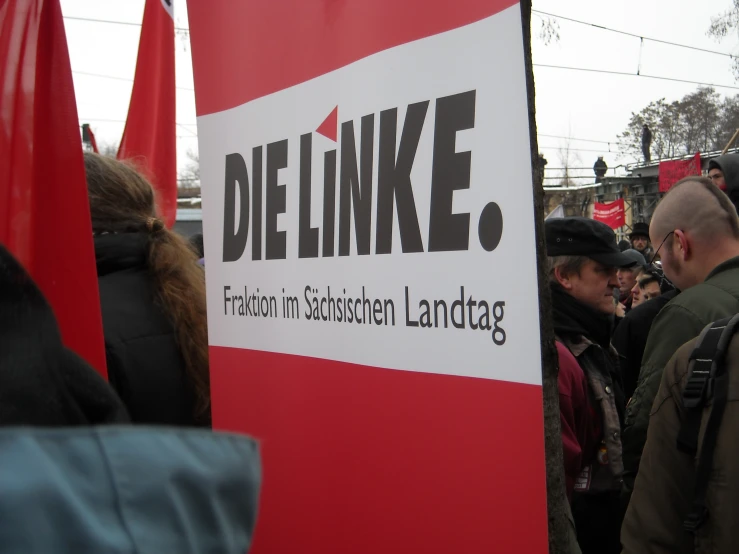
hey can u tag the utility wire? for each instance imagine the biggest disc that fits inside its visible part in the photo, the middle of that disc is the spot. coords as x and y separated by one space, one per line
102 76
582 139
626 74
130 23
641 37
181 125
576 149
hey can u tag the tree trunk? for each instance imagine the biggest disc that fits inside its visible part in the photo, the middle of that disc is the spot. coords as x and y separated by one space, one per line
561 537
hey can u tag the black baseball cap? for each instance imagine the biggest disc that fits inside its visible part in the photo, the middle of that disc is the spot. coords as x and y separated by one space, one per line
580 236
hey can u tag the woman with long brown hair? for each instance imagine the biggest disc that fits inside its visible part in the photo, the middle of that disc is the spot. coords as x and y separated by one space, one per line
152 294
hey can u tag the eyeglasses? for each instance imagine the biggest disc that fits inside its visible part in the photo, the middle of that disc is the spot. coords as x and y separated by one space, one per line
654 257
653 273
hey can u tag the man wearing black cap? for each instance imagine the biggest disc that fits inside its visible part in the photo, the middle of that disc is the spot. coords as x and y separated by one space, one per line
583 259
639 238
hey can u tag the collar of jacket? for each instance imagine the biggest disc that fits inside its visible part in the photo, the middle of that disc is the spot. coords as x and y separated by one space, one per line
729 264
120 251
578 345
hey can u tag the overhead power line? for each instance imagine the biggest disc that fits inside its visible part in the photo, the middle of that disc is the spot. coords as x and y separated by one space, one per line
577 149
115 78
634 35
102 120
582 139
115 22
626 74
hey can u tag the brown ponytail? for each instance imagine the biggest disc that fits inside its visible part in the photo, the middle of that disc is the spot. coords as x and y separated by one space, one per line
122 201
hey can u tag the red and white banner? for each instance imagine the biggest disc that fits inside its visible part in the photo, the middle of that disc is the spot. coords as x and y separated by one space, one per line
149 139
670 172
364 321
612 214
44 210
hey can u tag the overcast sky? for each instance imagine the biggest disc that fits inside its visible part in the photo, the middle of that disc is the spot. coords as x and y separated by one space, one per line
587 107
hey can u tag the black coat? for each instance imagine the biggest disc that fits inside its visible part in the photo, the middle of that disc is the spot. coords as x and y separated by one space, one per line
145 365
42 382
630 338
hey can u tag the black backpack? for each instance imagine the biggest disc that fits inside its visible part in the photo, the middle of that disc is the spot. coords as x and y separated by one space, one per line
707 379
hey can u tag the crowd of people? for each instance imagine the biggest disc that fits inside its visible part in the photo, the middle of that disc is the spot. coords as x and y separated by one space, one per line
626 321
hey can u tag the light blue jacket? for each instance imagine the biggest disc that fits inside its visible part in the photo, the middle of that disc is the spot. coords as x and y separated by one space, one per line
132 490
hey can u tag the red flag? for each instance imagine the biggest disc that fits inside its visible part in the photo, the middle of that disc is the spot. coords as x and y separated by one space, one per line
612 214
670 172
149 137
44 210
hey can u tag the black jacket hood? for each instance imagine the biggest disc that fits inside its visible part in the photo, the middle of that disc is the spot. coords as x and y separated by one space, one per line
729 166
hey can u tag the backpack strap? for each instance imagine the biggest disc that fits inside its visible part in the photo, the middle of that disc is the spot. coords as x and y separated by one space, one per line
707 377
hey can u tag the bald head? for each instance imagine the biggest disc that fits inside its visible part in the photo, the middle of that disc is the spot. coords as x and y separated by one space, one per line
699 209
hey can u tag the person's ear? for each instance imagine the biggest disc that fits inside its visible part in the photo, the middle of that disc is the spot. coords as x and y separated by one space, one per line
682 245
563 278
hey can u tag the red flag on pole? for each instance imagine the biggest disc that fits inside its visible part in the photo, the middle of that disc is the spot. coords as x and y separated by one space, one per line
44 210
671 171
149 137
612 214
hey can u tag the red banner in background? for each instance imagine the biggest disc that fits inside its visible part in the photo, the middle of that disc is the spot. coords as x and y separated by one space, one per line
670 172
149 138
612 214
44 210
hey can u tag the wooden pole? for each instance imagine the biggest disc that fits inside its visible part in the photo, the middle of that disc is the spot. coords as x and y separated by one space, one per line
561 530
733 138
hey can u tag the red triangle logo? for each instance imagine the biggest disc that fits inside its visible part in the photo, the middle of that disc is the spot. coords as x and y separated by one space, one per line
330 126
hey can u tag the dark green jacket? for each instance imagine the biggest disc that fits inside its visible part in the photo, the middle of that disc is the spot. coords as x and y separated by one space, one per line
664 490
679 322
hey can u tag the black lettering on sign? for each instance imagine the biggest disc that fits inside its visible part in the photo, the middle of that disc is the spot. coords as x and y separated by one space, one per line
394 179
355 188
307 235
450 171
329 202
234 242
275 241
256 205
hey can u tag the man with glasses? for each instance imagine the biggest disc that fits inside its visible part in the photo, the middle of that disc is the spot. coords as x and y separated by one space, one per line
697 228
583 260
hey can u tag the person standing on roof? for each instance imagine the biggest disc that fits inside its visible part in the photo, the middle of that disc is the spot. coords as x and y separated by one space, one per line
600 169
646 143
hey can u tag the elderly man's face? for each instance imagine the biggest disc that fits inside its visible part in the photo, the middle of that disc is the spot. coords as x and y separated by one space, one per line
593 286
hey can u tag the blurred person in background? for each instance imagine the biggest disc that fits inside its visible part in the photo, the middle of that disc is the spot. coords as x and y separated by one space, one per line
196 241
152 296
630 337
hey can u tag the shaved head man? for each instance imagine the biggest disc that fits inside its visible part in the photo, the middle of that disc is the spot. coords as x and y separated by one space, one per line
696 231
699 228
